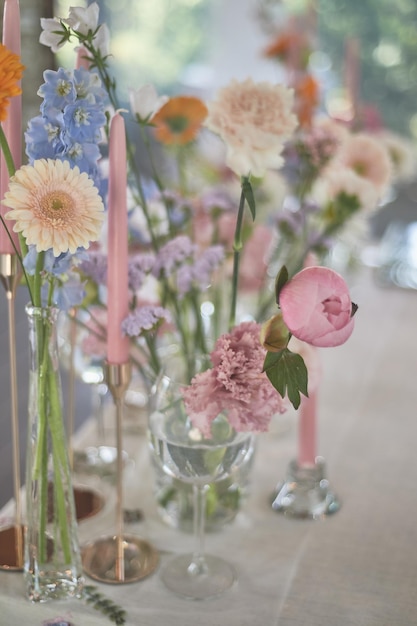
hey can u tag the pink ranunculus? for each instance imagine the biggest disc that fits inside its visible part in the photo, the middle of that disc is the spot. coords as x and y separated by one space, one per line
317 308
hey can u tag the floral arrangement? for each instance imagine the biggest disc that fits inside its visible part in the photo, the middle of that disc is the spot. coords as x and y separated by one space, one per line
238 194
191 253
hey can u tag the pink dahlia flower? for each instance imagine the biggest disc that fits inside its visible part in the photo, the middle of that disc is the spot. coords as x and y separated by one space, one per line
235 385
317 308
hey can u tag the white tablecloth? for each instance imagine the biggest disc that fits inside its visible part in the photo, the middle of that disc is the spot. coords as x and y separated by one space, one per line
357 568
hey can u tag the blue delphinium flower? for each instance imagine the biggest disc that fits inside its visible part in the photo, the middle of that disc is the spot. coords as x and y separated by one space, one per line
58 90
71 121
70 293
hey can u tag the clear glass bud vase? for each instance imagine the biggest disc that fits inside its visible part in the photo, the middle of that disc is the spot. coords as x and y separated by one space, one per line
52 557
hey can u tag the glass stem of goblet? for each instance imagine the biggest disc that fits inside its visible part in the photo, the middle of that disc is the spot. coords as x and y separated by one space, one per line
198 565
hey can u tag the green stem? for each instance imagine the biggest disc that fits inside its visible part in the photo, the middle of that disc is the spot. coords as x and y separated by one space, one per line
60 460
50 424
200 334
153 355
237 247
8 157
37 280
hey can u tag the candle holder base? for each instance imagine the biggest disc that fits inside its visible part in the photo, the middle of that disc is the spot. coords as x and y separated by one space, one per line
99 559
11 548
305 494
88 502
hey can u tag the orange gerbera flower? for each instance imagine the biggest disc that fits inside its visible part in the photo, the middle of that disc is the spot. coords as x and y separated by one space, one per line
291 45
179 120
11 71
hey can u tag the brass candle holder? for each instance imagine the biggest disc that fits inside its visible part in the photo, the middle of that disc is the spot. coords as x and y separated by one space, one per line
11 538
119 558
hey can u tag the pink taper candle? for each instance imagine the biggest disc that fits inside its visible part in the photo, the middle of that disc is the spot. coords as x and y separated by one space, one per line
12 126
117 278
81 60
307 430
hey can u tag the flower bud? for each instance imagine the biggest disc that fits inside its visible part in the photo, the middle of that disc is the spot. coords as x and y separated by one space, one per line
274 334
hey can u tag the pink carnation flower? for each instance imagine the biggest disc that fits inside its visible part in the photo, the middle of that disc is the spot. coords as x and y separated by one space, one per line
316 307
235 385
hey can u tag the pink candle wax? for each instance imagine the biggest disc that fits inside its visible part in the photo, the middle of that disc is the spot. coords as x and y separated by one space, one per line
117 272
12 126
307 430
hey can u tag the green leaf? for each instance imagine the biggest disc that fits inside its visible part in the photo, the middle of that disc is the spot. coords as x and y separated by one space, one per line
288 374
249 197
281 279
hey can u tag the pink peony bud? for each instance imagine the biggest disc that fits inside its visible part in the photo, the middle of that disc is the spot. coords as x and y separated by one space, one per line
317 308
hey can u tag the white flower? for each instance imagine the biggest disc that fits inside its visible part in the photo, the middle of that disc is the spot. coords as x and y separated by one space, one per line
337 179
368 158
83 20
254 120
49 37
145 101
402 153
102 40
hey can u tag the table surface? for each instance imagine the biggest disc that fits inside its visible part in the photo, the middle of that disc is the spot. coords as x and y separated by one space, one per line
357 568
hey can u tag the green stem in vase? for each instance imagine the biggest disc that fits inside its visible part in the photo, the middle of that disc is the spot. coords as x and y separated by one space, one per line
61 466
50 424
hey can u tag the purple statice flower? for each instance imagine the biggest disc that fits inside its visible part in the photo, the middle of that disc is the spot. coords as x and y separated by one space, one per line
145 318
198 273
172 255
95 267
217 200
140 266
177 207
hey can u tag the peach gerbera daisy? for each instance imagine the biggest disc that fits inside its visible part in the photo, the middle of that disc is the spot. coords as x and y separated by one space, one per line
179 120
11 71
54 206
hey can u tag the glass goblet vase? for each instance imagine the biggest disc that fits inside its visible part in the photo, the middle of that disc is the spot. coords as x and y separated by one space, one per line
182 452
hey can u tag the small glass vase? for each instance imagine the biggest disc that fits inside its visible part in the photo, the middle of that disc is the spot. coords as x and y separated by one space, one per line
52 567
224 499
186 454
175 498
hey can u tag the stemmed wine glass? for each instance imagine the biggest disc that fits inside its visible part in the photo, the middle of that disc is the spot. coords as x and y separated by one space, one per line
182 452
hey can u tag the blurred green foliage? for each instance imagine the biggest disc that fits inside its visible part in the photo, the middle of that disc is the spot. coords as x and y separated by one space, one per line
387 35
